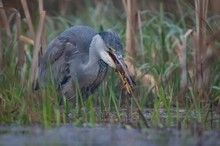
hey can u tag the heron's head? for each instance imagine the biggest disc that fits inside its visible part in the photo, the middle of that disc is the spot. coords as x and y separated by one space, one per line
110 50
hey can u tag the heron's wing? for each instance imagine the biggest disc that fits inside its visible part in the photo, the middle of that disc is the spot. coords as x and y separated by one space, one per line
55 62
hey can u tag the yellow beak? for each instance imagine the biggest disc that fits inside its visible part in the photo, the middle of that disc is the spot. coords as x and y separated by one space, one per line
122 69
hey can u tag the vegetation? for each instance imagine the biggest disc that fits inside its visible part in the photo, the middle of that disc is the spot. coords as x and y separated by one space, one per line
176 67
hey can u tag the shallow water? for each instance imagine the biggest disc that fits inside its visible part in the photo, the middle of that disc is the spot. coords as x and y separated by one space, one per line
108 135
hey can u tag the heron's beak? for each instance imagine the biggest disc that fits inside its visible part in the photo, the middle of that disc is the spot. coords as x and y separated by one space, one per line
121 67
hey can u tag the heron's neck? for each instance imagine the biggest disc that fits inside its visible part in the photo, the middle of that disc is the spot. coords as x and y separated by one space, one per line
94 53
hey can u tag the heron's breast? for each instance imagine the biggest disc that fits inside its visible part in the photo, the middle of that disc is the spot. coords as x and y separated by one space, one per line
91 79
102 66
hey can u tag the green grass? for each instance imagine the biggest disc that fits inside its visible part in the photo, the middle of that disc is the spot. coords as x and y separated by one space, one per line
20 105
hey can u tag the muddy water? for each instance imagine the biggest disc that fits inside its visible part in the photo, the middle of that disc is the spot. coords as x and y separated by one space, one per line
108 135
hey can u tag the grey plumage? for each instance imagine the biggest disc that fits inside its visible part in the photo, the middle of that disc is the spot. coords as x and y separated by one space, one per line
80 56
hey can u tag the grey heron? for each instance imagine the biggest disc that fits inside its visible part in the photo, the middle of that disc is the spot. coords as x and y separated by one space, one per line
80 56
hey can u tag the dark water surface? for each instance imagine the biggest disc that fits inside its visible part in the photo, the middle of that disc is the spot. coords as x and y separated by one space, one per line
109 135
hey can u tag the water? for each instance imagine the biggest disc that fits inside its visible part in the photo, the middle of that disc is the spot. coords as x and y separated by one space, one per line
108 135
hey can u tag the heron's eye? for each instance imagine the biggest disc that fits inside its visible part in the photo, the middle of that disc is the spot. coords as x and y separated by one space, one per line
111 49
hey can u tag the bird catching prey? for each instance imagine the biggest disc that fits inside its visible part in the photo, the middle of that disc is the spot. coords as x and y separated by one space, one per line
79 58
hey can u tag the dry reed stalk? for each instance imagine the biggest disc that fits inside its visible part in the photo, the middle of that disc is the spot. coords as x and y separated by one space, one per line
20 45
131 31
37 47
132 25
4 23
28 17
1 51
130 7
182 60
26 40
44 43
141 36
4 19
43 36
40 5
24 69
181 53
201 74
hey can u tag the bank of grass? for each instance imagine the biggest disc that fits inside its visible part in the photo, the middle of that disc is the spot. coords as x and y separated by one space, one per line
19 104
